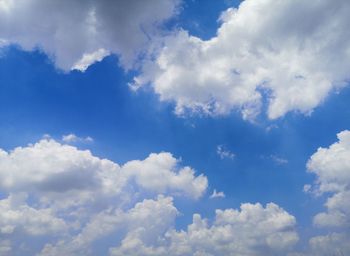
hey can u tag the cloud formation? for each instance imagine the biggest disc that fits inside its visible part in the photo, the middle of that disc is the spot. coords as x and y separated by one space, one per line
262 51
252 230
76 33
290 53
332 169
66 200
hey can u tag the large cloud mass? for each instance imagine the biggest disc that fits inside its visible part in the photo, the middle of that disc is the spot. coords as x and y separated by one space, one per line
77 33
57 199
288 53
294 51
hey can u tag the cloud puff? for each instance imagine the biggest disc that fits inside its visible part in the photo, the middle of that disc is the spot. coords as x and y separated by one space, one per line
295 52
156 173
78 33
332 167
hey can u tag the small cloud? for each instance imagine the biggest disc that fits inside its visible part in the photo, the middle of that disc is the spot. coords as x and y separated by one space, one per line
224 153
279 160
217 194
271 127
89 59
307 188
72 138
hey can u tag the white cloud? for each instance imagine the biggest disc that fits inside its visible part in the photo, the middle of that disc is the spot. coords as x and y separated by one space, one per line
219 194
294 51
337 244
51 169
16 215
332 167
279 160
296 58
77 33
52 188
71 138
252 230
90 58
72 200
158 173
148 219
224 153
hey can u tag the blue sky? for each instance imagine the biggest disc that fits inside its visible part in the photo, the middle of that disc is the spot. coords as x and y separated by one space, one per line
255 159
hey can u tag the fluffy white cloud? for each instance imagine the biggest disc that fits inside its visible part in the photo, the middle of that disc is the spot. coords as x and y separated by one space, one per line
294 51
53 168
148 219
70 200
54 189
332 167
16 214
158 173
252 230
78 33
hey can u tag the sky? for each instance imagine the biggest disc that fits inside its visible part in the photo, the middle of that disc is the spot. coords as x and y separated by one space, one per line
175 127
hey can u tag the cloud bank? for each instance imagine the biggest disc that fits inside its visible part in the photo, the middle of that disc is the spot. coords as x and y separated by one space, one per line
289 54
66 200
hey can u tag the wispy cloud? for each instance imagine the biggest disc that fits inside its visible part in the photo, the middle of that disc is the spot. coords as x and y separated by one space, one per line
279 160
224 153
216 194
72 138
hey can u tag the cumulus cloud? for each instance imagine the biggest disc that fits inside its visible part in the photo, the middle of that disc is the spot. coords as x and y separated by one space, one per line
78 33
70 200
261 52
15 215
331 244
148 219
295 52
51 188
51 167
156 173
252 230
332 167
